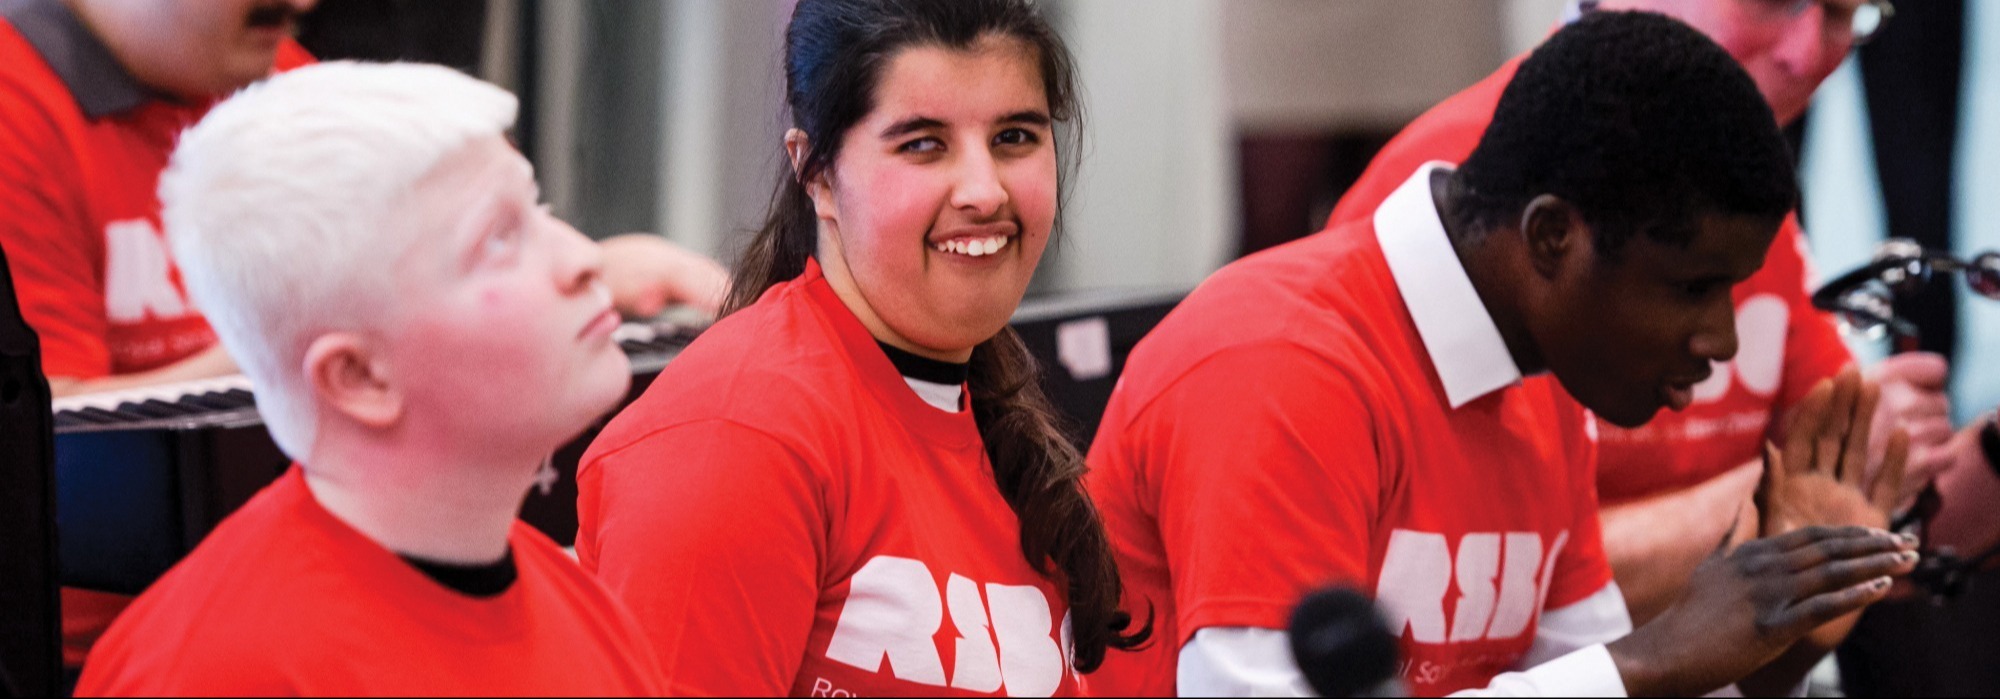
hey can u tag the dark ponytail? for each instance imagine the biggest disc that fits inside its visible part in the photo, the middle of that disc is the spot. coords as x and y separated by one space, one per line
835 51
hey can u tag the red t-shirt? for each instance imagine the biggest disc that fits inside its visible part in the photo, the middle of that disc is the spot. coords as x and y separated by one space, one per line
786 515
80 220
1785 345
283 599
1285 429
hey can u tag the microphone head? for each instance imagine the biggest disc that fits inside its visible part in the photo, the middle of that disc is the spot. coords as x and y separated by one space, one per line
1341 644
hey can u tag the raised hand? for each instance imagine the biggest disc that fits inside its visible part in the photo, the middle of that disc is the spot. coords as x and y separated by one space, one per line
1822 477
647 274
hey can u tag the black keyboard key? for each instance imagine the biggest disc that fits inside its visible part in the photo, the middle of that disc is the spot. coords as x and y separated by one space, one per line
105 416
172 409
83 417
207 402
143 411
70 419
242 398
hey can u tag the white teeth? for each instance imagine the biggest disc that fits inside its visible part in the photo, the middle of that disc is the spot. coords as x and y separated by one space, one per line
972 247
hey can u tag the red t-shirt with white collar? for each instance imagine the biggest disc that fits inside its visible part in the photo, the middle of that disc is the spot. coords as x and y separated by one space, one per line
1785 345
1341 411
786 516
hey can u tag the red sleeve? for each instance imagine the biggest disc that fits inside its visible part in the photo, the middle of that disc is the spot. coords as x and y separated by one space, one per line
45 232
1581 568
1814 350
1271 479
713 535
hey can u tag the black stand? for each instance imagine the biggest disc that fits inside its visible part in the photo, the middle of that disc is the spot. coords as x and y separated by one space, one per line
30 619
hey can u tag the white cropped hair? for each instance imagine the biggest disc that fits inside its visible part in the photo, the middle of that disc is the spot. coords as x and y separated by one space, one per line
275 206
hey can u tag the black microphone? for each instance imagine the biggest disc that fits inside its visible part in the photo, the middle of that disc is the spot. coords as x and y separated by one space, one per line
1343 647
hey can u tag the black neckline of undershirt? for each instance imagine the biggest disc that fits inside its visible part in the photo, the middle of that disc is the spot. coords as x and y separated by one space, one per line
478 581
925 369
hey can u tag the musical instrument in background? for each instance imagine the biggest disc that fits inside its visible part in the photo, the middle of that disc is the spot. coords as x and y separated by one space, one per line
144 474
1865 299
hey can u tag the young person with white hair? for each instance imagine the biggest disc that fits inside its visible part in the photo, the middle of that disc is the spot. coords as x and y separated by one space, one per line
92 96
365 240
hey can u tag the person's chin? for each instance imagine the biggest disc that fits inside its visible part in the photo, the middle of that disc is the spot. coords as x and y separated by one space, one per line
250 64
1632 417
610 379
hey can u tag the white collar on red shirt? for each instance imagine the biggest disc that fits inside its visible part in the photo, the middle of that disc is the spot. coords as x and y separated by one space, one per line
1465 346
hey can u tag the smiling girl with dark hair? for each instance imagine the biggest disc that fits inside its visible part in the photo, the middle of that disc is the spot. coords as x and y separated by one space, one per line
853 483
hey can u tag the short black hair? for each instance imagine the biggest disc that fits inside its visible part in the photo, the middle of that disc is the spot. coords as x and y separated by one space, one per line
1642 123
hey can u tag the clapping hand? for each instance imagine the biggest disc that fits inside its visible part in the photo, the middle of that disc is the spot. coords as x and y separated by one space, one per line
1823 478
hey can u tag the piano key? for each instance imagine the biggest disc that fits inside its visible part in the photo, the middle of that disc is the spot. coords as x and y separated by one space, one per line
72 420
104 416
208 402
143 411
83 417
241 397
174 409
165 393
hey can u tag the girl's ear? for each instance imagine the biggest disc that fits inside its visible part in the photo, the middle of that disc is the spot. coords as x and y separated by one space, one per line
796 148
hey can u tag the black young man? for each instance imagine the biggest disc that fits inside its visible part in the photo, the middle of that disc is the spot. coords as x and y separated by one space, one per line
1387 406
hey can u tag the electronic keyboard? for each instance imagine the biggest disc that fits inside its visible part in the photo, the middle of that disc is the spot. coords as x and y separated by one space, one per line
143 474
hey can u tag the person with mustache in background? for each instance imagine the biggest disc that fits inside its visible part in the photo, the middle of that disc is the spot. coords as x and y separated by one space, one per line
93 96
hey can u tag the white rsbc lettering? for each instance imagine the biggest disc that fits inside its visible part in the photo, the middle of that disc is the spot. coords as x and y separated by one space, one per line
138 274
1520 601
1478 567
1499 594
894 612
1416 572
977 664
1029 657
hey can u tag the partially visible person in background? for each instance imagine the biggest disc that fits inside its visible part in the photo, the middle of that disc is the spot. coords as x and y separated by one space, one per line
358 233
93 96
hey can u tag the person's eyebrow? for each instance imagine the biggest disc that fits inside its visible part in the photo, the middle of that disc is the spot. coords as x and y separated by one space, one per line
911 125
1030 117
